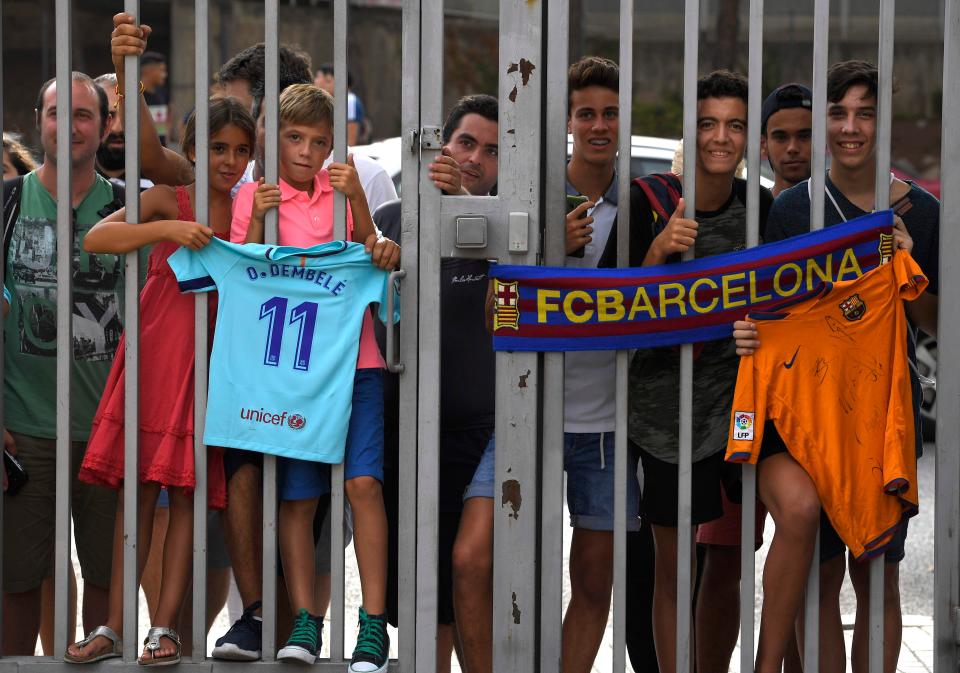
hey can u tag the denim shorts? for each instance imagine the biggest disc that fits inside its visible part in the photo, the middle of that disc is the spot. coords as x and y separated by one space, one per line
363 457
589 480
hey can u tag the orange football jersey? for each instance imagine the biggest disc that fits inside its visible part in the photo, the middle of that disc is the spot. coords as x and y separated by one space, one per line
833 375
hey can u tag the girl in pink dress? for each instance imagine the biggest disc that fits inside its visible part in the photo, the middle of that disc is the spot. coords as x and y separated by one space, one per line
166 383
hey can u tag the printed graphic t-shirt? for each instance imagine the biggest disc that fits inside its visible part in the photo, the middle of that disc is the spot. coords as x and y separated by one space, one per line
833 376
30 353
286 341
654 402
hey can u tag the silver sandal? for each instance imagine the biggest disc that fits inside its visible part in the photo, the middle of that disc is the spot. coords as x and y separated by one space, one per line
106 632
152 644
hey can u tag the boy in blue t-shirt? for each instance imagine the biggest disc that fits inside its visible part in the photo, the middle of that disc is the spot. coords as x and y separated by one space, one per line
305 201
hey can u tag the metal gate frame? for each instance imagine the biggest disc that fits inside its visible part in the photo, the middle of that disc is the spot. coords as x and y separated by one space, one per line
529 469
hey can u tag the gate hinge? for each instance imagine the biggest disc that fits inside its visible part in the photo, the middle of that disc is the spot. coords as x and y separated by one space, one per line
431 138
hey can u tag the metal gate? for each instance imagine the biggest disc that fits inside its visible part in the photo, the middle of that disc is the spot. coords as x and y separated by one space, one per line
524 225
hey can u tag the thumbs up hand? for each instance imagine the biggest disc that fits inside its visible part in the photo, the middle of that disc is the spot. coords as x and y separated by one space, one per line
344 178
677 237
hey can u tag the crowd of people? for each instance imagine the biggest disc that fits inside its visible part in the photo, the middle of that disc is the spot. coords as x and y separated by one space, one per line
239 200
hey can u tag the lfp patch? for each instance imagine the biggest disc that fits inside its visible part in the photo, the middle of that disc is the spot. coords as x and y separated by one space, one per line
743 425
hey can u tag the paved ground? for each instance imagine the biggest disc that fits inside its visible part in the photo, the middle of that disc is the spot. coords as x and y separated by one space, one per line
916 581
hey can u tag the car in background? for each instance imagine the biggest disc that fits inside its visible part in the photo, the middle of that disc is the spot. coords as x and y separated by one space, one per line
647 155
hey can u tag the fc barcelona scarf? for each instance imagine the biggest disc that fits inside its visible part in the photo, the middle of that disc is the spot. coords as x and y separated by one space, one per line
561 309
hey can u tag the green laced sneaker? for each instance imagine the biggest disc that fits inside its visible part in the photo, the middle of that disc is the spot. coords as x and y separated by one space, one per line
305 639
373 645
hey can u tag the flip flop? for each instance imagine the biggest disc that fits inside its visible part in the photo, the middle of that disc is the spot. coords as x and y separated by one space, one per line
152 644
115 651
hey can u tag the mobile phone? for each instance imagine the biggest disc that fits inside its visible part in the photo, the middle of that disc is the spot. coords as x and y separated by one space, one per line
16 475
574 200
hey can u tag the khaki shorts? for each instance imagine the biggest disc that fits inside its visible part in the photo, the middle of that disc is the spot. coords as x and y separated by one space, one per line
29 520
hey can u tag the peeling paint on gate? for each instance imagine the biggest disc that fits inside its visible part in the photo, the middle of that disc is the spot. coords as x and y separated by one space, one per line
525 68
511 495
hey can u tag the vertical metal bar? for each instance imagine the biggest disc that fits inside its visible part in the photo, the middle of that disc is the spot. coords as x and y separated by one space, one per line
3 334
946 582
620 462
818 167
551 533
517 388
428 420
65 239
821 33
811 614
131 403
340 232
340 116
685 467
410 177
882 200
884 103
201 321
271 100
748 509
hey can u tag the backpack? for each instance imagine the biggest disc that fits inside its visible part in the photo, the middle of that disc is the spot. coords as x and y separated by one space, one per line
12 192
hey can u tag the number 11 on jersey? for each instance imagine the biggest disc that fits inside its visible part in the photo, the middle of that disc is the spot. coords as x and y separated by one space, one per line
275 310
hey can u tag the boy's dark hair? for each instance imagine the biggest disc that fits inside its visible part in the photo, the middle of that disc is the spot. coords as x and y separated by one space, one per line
479 103
223 111
841 76
592 71
84 78
722 84
248 65
149 57
327 69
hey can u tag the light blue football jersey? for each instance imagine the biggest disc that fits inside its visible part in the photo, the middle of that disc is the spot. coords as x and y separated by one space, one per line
286 343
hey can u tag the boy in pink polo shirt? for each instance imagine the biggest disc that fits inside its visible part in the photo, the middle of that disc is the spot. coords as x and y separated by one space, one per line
305 199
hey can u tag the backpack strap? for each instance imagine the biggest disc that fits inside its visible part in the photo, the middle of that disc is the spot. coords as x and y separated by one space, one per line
12 191
119 199
663 191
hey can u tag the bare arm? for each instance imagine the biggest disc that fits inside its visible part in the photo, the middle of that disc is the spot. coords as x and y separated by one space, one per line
113 235
162 165
384 253
922 312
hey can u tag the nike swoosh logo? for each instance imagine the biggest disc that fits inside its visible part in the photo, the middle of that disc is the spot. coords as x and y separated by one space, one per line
788 365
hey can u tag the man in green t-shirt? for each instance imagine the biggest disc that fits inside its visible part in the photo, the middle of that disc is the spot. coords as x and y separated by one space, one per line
30 379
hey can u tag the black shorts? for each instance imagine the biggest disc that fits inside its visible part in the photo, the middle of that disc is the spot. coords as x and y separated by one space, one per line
832 546
449 523
772 443
234 459
658 500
